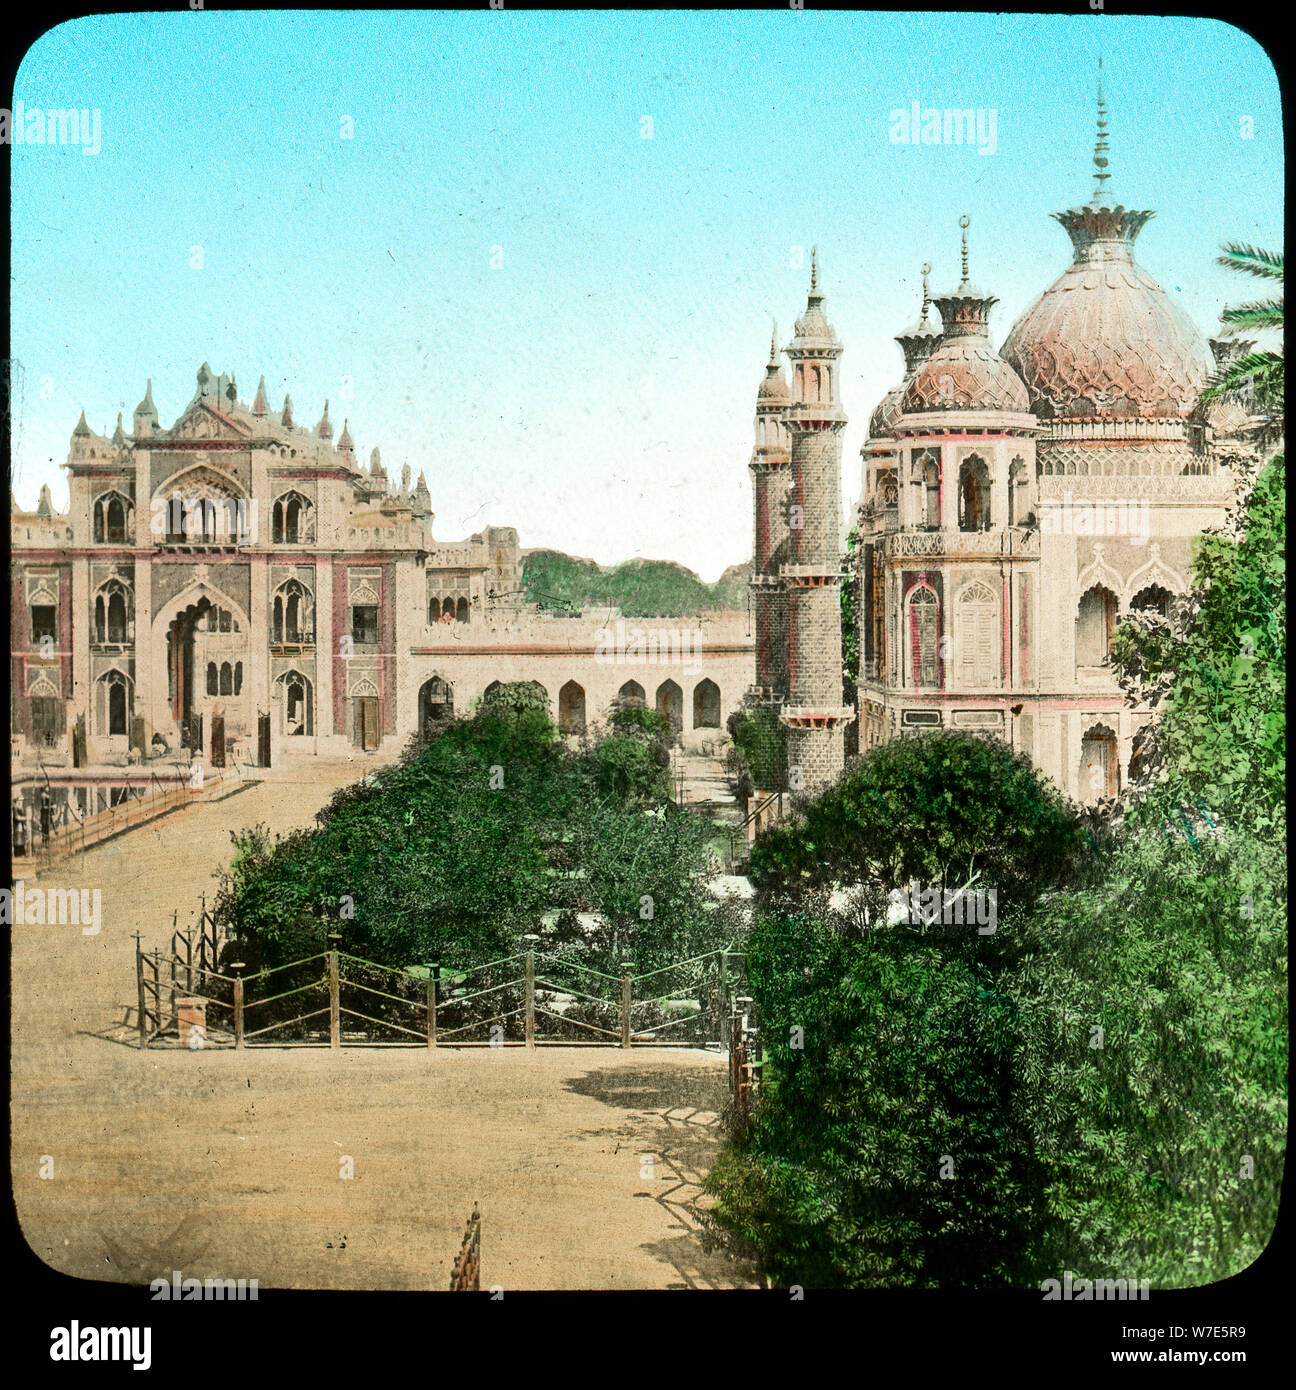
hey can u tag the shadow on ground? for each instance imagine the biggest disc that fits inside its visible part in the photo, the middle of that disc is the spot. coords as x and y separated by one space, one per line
676 1130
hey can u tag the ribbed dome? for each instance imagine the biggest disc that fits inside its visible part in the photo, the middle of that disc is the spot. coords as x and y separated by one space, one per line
1104 340
774 388
966 374
888 408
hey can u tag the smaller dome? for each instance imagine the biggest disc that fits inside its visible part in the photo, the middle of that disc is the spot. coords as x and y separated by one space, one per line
887 409
774 388
966 374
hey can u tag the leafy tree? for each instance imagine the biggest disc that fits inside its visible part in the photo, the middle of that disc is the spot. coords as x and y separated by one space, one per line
1256 378
1214 675
938 807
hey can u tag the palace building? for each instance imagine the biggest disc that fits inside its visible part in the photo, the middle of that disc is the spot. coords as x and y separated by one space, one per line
237 587
1016 503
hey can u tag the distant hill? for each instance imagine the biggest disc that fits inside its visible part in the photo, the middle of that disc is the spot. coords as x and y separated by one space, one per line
639 588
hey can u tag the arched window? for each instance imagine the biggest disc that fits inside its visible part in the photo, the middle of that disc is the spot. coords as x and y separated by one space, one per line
436 702
1017 507
926 482
670 705
226 678
116 616
238 678
632 693
115 520
448 610
924 637
1153 599
117 706
1095 622
292 618
974 495
212 688
977 638
295 704
706 705
101 631
277 624
278 530
292 521
461 610
571 708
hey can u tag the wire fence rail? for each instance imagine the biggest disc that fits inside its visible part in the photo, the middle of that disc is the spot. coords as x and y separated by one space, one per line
197 994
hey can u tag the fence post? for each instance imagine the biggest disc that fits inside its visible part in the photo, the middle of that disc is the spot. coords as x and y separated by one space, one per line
530 998
431 1012
139 982
625 1007
335 1008
238 1011
724 985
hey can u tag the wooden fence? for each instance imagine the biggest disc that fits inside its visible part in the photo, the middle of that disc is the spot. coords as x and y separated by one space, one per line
466 1276
187 996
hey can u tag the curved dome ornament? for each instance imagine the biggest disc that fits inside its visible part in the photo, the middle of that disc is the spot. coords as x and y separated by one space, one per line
1104 341
964 372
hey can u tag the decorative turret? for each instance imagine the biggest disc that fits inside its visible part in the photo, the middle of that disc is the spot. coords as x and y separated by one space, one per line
422 497
325 427
964 372
344 445
81 429
119 435
376 469
261 406
146 416
917 344
204 380
286 419
405 480
45 506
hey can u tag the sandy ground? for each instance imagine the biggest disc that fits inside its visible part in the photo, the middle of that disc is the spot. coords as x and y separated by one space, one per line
585 1161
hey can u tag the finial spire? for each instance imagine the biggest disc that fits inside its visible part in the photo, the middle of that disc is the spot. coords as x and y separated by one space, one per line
814 270
965 222
1101 146
926 304
773 362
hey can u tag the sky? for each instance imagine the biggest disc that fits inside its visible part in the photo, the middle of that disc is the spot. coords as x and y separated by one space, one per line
537 256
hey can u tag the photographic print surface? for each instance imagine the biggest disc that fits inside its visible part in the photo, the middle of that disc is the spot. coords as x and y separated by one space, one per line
647 652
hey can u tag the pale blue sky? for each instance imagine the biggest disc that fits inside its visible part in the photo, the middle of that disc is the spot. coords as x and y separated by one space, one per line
592 380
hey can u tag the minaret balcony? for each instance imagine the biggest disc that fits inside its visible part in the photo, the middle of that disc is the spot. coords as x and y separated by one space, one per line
809 576
816 717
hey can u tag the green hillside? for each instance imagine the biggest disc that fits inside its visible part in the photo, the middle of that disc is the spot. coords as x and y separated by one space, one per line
639 588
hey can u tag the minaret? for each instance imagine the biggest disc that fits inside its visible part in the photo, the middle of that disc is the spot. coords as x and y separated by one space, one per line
260 406
770 470
325 427
146 416
345 446
814 713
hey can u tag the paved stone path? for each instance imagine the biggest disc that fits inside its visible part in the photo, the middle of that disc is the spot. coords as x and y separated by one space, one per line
585 1161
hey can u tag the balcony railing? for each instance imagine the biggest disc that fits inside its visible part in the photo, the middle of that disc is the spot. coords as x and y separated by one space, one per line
1004 541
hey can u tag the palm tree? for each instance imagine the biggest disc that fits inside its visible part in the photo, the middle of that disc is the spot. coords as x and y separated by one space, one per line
1256 378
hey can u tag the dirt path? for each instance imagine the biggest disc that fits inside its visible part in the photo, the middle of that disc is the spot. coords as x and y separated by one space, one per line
585 1161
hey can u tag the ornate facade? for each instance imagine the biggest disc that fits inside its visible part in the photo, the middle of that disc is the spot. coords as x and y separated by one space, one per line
1015 504
240 588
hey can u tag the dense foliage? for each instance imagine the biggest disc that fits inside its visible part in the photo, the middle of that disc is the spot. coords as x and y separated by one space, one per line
1106 1072
469 842
638 588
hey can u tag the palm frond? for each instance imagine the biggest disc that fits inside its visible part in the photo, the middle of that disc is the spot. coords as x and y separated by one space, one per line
1268 265
1255 380
1254 316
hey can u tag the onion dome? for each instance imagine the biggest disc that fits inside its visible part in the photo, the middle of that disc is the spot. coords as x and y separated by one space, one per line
813 331
917 344
325 427
964 372
773 391
1104 341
